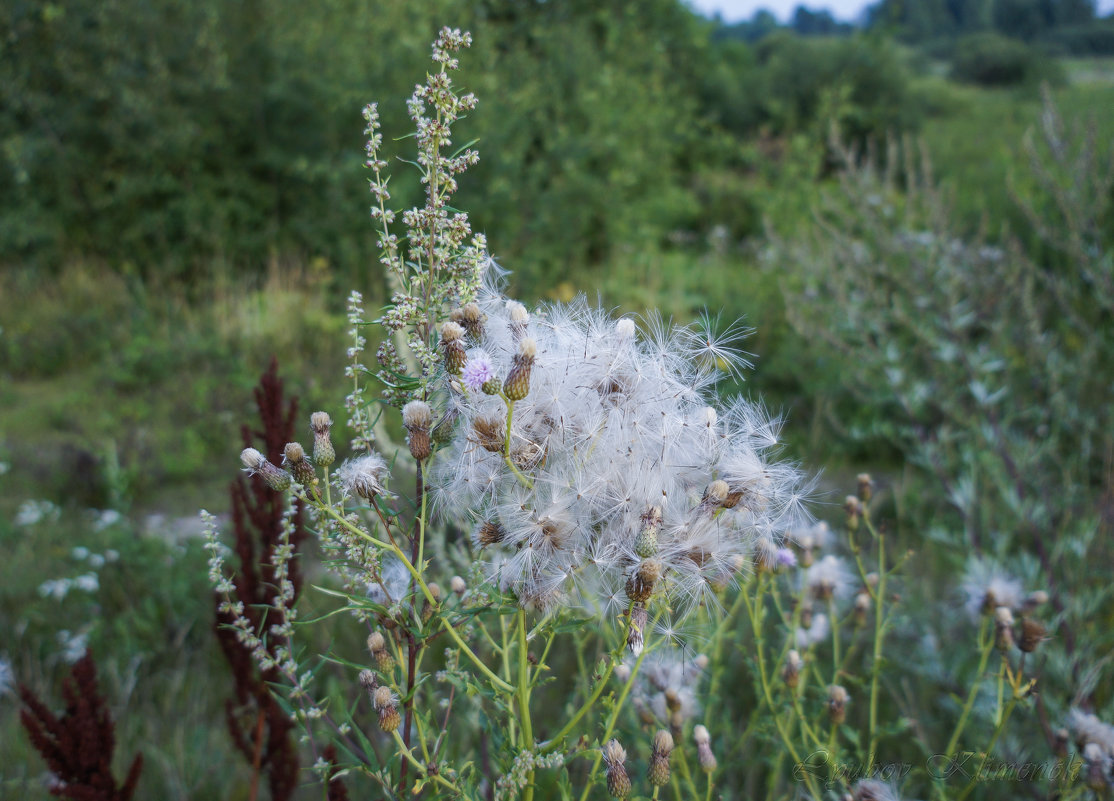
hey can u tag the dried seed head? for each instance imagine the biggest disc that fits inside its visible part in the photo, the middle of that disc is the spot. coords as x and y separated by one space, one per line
658 772
517 385
294 457
452 348
363 476
866 485
716 494
490 533
457 585
1032 635
791 673
417 418
383 699
618 783
435 591
636 634
256 464
369 682
323 452
837 703
489 433
640 584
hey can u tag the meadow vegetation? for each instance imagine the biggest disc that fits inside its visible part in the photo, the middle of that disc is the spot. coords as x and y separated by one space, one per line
915 219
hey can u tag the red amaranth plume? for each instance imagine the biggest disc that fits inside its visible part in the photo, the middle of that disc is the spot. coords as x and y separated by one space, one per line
258 727
78 745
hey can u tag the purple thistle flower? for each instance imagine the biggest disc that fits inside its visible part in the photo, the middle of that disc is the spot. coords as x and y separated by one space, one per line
786 557
478 371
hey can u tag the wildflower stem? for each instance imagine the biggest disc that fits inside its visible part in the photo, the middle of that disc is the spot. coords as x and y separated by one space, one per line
524 699
755 615
993 741
986 644
617 708
409 757
834 617
879 632
526 482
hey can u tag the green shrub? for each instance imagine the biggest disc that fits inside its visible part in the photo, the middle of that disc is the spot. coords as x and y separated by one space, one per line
989 59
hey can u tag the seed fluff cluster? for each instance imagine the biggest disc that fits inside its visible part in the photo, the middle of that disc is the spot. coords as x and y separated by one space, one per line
619 481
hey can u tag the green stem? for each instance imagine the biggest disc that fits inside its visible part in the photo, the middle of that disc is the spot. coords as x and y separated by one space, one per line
876 661
422 769
524 700
987 644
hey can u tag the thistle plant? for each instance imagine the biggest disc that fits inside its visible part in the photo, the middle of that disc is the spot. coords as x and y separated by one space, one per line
576 488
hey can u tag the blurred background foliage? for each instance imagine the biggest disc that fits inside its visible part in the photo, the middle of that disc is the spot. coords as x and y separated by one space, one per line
182 195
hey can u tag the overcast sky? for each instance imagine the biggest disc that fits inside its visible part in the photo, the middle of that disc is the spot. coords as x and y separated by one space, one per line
735 10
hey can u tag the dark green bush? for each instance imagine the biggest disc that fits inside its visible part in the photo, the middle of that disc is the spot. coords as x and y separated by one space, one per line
989 59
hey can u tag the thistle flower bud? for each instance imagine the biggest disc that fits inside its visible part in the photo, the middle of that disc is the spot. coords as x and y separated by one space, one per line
1098 763
384 703
519 318
323 452
417 418
862 607
640 583
377 647
457 585
489 433
490 533
636 635
473 319
1034 600
452 347
658 772
491 387
255 464
806 612
791 673
517 385
854 509
614 757
646 543
443 432
866 485
704 749
1003 628
837 704
1032 635
294 458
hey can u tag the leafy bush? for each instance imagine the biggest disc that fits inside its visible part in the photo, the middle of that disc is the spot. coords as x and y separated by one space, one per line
989 59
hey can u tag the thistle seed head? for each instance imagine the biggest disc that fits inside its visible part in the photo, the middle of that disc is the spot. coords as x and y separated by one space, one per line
1032 635
490 533
640 585
255 464
417 418
866 486
704 749
489 433
791 673
658 771
636 634
363 476
323 452
473 319
517 385
837 704
452 348
457 585
294 458
614 757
